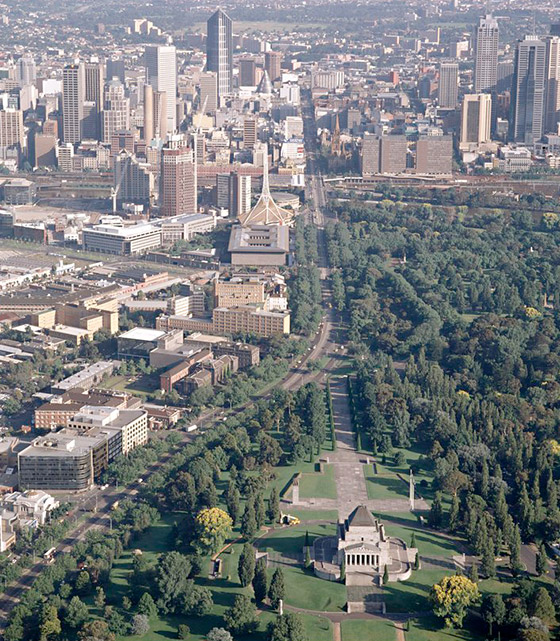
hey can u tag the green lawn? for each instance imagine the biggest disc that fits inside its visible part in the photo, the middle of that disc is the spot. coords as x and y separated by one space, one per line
318 485
431 629
411 595
315 515
368 630
141 385
403 524
317 628
384 486
284 473
290 540
305 590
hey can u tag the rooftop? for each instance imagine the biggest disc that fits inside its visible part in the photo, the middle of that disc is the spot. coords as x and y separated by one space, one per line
142 334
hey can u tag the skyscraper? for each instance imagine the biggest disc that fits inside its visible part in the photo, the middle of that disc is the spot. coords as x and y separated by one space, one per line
476 119
219 50
94 78
247 72
448 85
209 92
25 70
528 94
486 54
273 64
178 181
73 98
116 110
552 96
161 74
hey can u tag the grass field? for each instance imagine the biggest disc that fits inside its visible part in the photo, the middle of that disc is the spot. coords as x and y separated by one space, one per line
370 630
318 485
290 540
384 486
141 385
403 524
431 629
411 595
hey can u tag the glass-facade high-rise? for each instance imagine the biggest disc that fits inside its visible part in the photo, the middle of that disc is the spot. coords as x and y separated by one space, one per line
219 50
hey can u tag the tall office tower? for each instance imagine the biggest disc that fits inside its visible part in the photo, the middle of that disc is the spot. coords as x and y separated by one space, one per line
273 64
26 73
90 129
476 119
209 91
219 50
115 69
247 72
448 93
116 110
94 79
73 98
434 155
45 150
393 154
177 180
148 125
371 148
552 95
11 128
222 190
383 154
133 179
239 195
120 140
527 100
249 132
161 74
505 76
486 54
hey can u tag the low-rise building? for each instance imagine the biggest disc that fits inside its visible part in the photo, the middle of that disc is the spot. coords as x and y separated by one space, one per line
85 378
124 241
185 227
259 245
31 507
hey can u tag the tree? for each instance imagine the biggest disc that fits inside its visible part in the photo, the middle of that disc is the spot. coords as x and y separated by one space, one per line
488 564
246 565
183 631
385 575
249 521
140 624
493 610
435 517
77 613
97 630
260 581
146 605
451 598
99 598
219 634
287 627
172 580
543 607
83 583
515 551
241 618
117 623
232 501
454 513
126 603
273 511
343 570
49 626
197 600
277 588
213 526
541 562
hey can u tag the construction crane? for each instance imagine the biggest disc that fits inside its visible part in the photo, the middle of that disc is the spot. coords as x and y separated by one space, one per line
115 191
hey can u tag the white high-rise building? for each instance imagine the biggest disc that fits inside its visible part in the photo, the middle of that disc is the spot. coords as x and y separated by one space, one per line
116 110
486 54
476 119
26 73
161 74
73 98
